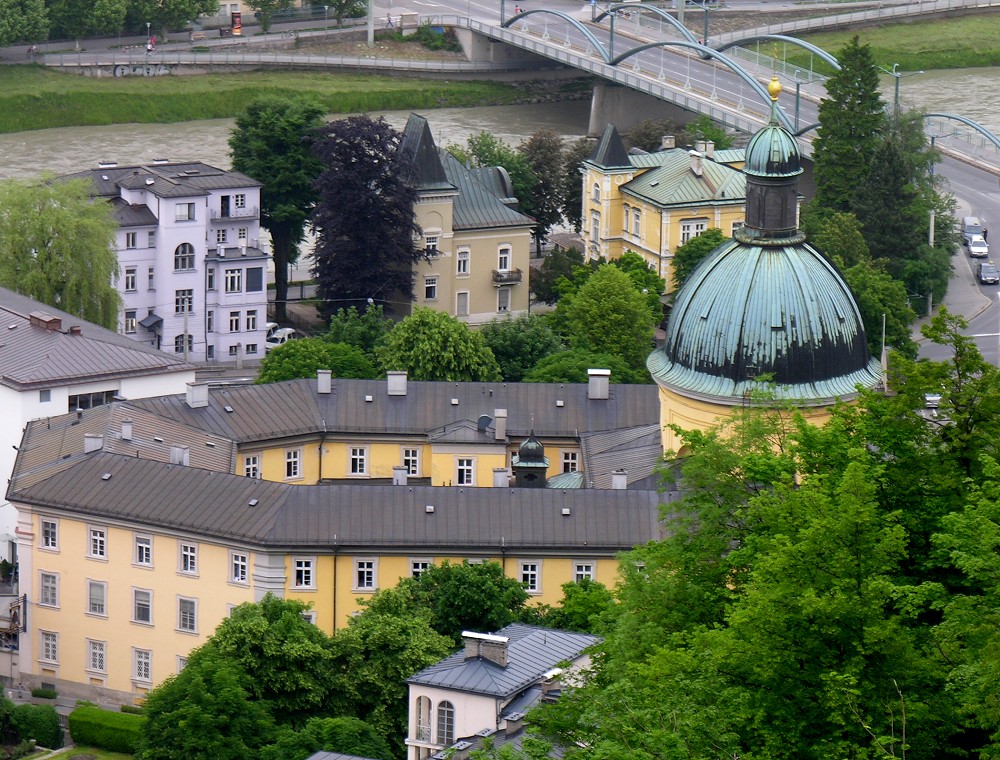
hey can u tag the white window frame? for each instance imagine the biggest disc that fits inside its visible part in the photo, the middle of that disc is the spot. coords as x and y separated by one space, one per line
97 542
48 647
50 534
48 593
131 322
419 565
431 288
184 212
233 280
136 593
187 557
465 471
692 228
131 240
151 239
293 464
221 236
570 461
184 301
131 282
181 614
357 462
462 300
251 466
595 228
101 610
365 574
530 575
431 245
239 568
582 569
445 723
636 223
304 573
235 319
210 279
142 665
503 299
463 262
410 459
142 549
240 200
210 320
97 656
184 258
251 320
504 258
595 192
423 722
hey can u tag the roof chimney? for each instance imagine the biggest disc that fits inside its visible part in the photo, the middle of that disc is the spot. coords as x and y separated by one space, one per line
619 480
197 395
92 442
500 424
399 475
597 383
501 477
709 149
41 319
324 381
395 383
667 142
696 162
76 330
486 645
126 430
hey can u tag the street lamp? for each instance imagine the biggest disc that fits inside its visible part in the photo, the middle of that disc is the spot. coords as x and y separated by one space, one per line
326 14
897 75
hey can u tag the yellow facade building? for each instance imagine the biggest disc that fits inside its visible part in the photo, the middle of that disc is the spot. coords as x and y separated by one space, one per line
142 523
652 203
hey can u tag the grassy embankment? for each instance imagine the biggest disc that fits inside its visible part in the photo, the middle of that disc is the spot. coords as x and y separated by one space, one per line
32 97
952 43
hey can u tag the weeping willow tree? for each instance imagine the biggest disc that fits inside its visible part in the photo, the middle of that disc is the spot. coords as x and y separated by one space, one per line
57 246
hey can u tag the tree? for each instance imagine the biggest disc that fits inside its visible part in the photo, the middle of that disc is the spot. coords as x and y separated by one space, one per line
851 118
644 279
519 344
703 128
23 21
648 134
837 234
57 246
609 315
362 331
346 735
270 145
688 256
431 345
456 597
206 710
486 150
561 262
571 366
302 358
172 14
265 11
84 18
582 607
365 177
573 155
544 153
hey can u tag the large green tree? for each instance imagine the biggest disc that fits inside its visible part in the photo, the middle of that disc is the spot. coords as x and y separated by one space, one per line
689 255
57 245
852 117
544 154
23 21
270 145
87 18
168 15
519 343
302 358
560 262
571 365
265 10
486 149
365 177
345 735
572 183
431 345
362 330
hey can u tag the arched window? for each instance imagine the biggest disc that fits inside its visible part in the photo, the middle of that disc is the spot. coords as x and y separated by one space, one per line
596 193
179 343
446 724
423 719
184 257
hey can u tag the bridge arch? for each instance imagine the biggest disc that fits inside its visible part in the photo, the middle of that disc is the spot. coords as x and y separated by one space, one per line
819 52
598 45
634 7
967 122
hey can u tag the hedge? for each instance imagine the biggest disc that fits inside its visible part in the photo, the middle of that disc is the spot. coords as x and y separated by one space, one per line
38 722
113 731
42 692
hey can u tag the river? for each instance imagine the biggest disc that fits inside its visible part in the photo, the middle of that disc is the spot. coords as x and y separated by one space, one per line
71 149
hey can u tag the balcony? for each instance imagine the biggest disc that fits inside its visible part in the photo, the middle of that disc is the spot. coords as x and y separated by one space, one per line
506 277
234 213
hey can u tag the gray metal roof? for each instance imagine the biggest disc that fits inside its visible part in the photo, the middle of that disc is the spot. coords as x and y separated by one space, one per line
780 310
266 412
610 153
166 180
132 215
531 652
637 450
35 357
349 518
477 206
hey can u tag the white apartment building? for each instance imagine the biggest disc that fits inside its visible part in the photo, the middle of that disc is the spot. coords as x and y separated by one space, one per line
193 272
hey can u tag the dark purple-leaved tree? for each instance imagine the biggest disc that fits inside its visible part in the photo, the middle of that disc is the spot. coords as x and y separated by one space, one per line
364 214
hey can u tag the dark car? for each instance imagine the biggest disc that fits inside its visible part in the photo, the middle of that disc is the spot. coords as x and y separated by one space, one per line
988 274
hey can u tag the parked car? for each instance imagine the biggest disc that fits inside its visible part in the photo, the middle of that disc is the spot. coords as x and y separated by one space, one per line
978 247
988 274
270 327
279 338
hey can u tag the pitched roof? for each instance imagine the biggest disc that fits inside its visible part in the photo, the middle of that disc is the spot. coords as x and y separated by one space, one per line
532 651
479 204
610 151
163 180
350 518
418 144
673 183
33 356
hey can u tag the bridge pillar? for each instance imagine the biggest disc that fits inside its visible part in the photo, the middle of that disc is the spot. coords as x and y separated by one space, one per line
624 107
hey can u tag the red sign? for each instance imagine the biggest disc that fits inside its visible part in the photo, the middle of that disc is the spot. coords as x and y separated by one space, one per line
237 24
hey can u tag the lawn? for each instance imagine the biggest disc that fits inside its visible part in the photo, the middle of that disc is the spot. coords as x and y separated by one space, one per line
952 43
99 754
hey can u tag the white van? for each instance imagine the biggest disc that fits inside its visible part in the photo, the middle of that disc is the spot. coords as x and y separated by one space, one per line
971 226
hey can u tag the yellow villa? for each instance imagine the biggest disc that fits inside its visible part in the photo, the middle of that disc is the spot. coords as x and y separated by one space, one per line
142 523
652 203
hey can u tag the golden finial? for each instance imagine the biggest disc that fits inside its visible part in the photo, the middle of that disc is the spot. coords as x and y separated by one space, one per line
774 87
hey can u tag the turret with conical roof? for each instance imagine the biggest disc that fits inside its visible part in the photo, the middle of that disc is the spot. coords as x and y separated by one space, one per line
530 464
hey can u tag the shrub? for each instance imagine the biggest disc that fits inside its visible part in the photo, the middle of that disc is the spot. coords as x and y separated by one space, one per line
38 722
115 732
23 749
133 709
44 692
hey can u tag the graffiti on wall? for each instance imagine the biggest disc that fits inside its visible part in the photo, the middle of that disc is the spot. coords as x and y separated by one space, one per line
141 70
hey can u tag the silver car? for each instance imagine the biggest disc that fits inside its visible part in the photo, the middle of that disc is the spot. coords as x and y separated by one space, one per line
978 247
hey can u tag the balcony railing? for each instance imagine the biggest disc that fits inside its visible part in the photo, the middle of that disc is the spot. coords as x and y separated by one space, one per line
506 276
236 213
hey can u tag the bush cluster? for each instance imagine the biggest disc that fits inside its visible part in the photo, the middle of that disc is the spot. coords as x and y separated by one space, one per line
38 722
115 732
44 692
